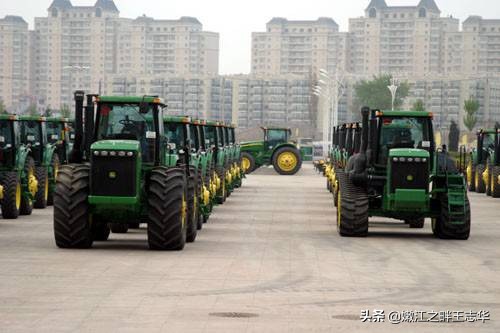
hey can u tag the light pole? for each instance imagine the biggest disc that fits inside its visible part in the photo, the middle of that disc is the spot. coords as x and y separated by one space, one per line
393 88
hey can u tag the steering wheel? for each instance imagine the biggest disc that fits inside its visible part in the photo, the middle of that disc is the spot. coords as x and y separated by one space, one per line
125 122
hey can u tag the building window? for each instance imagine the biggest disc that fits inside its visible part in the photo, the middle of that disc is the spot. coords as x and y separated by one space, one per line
373 13
422 12
98 12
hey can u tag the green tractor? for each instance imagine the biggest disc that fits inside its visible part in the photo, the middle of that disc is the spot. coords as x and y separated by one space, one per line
233 174
220 158
17 171
58 134
119 174
483 167
398 173
34 134
275 149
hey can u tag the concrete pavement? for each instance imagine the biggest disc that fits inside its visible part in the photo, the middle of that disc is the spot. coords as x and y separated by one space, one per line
269 260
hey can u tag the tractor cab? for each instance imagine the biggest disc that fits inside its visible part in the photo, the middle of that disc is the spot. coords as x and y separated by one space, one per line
275 136
9 141
33 135
57 132
181 145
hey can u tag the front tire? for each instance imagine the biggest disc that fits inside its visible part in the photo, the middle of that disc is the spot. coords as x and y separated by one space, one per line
11 202
55 165
495 186
478 179
287 161
42 194
167 209
193 209
352 209
247 162
72 221
27 195
442 226
119 228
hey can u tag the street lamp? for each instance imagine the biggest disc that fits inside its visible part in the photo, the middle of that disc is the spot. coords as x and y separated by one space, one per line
393 88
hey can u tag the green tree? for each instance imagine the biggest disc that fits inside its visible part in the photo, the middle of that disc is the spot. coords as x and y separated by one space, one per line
376 95
2 107
418 105
47 112
453 136
470 107
32 110
65 111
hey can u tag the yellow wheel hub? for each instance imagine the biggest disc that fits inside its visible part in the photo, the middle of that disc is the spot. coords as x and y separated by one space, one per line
486 174
18 196
245 163
32 182
183 211
287 161
46 190
469 173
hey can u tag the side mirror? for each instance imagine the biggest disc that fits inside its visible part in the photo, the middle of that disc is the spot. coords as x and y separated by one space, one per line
207 142
181 152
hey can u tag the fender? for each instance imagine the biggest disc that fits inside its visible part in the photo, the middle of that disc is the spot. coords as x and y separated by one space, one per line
48 153
22 154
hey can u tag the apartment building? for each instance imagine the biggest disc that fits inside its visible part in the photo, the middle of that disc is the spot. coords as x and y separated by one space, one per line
14 62
77 46
481 46
298 47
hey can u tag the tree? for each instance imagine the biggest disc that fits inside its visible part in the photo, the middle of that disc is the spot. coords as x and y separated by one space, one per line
418 105
32 110
376 95
453 136
2 107
65 111
470 107
47 112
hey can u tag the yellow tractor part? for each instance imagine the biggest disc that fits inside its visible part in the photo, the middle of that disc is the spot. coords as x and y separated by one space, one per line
229 177
468 172
498 180
245 163
287 161
18 195
205 195
217 182
1 192
183 211
32 182
486 175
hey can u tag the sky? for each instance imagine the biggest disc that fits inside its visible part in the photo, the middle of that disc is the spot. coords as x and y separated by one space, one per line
235 20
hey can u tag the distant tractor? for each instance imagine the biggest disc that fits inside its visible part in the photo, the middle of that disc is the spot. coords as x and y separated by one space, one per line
398 173
118 174
18 183
483 168
276 149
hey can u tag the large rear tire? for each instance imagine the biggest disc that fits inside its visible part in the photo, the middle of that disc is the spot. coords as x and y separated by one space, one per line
442 226
199 184
193 209
11 202
42 194
100 230
287 160
478 179
247 162
72 221
495 186
352 209
167 213
26 199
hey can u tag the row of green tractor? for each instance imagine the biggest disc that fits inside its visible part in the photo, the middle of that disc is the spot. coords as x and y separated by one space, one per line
32 149
389 166
132 163
483 163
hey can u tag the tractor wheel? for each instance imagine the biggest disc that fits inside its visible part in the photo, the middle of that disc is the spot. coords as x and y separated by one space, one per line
55 166
287 161
495 182
247 162
72 221
352 209
443 227
223 195
193 209
167 211
134 225
199 183
12 191
471 177
489 169
26 201
42 194
100 231
119 228
478 179
416 223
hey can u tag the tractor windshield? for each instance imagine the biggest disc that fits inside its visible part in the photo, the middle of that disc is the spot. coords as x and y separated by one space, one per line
211 135
6 134
403 132
193 133
31 132
276 136
489 141
55 131
175 134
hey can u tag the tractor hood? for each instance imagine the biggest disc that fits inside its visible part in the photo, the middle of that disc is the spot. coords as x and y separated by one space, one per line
408 152
129 145
251 143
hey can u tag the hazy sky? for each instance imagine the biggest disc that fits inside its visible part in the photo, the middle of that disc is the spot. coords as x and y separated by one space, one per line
236 19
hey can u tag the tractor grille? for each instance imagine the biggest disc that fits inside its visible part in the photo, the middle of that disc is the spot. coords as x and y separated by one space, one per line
410 175
113 176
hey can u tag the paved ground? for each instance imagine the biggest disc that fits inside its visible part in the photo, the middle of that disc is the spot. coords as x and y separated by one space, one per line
270 259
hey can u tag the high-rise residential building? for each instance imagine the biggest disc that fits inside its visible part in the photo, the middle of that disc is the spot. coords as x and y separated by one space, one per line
399 39
298 47
78 46
14 61
481 46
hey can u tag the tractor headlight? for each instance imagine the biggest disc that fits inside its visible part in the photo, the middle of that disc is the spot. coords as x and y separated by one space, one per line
395 159
418 159
112 153
410 159
104 153
96 152
121 153
424 160
130 154
402 159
